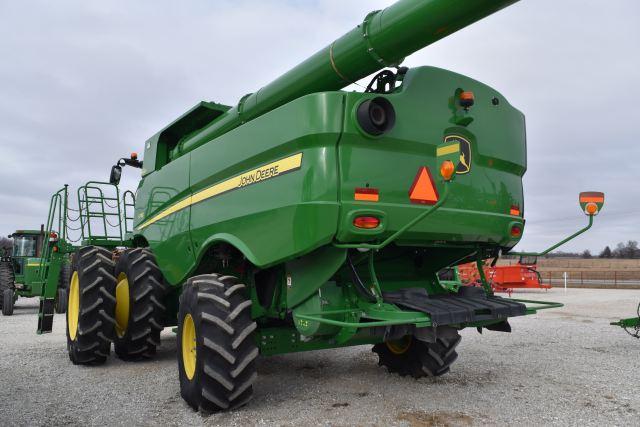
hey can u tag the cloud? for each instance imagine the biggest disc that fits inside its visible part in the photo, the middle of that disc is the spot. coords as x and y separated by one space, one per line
82 83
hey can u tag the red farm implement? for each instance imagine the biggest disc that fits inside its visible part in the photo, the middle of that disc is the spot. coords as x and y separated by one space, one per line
505 278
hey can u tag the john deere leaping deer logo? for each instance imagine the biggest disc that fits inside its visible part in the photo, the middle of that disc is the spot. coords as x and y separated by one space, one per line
457 149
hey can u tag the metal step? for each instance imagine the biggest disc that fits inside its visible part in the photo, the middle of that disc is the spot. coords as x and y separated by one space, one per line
470 304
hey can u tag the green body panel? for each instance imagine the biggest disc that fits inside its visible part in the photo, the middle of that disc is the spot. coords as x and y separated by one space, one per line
169 238
308 273
287 216
302 203
33 285
478 209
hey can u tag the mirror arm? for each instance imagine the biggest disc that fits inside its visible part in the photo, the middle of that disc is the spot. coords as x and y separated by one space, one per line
560 243
131 162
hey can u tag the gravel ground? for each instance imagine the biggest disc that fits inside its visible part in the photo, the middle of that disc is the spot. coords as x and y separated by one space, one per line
564 366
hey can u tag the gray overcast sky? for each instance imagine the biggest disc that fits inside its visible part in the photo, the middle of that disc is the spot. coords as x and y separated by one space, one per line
84 82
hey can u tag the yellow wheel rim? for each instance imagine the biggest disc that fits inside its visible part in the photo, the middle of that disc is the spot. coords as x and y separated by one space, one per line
73 307
399 346
122 305
189 356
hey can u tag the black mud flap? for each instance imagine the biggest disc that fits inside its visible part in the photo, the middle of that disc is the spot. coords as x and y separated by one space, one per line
45 316
470 304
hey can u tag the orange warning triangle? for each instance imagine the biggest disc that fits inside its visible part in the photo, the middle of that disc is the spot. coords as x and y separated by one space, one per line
423 189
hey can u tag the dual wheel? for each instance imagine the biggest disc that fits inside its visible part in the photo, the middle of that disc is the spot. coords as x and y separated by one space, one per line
122 303
114 302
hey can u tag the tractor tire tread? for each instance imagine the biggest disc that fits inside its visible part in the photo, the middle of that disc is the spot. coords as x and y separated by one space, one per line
422 359
92 345
146 289
226 348
7 279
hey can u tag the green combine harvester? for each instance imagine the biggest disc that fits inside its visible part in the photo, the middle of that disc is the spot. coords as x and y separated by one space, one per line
307 217
21 272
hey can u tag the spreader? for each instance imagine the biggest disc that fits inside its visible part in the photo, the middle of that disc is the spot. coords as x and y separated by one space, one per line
307 217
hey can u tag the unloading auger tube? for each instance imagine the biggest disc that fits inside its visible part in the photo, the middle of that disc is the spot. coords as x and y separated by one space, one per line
384 39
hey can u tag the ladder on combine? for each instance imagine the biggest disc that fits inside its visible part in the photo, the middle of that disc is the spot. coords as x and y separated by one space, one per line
103 218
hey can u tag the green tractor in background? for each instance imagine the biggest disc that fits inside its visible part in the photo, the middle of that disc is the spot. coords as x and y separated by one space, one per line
307 218
21 267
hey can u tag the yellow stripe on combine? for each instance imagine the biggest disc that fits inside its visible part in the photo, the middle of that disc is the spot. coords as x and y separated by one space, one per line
448 149
254 176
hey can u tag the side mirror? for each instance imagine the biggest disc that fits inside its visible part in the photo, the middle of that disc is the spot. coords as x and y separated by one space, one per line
591 202
116 173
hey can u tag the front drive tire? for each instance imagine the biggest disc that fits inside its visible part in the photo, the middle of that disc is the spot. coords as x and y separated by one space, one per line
216 347
410 356
91 305
6 281
140 291
7 305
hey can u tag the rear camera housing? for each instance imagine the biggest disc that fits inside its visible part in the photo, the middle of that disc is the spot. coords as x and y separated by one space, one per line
376 116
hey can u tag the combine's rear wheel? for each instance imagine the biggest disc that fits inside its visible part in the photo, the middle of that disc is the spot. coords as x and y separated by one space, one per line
216 348
6 287
140 291
409 356
91 305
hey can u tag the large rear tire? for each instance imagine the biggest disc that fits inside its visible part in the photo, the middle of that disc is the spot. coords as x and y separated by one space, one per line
216 348
410 356
91 306
140 291
7 279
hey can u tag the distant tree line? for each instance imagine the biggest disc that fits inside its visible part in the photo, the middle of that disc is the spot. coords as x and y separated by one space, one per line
628 250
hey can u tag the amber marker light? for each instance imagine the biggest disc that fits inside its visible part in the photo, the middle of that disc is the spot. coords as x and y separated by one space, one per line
134 156
591 208
447 169
367 222
466 99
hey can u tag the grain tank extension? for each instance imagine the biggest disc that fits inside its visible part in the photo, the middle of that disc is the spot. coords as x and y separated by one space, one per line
306 217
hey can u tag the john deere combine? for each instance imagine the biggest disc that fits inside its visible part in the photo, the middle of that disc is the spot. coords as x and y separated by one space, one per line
307 217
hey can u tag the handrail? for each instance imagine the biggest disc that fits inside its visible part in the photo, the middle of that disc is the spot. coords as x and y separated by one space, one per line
92 193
